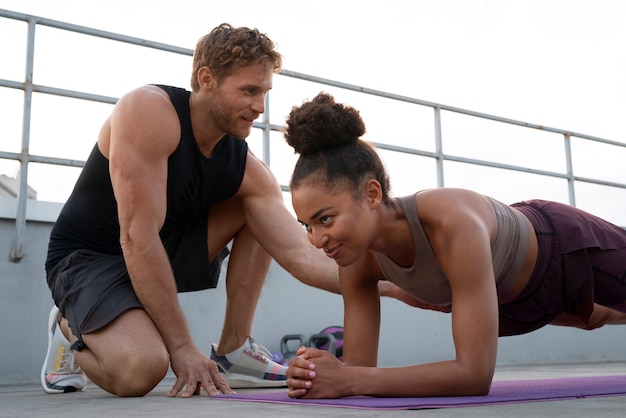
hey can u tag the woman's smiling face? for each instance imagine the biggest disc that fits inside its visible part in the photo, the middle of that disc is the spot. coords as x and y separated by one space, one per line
335 222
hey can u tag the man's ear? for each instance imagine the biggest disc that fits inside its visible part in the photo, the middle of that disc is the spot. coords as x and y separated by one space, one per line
206 78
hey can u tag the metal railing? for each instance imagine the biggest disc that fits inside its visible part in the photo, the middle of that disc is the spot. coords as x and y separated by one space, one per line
25 157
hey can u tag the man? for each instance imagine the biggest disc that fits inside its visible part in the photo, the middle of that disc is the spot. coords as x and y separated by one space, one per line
168 185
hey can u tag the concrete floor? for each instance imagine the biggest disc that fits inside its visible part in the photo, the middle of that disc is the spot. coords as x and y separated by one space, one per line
31 401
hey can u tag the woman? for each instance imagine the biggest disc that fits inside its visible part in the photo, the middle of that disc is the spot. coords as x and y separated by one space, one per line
500 270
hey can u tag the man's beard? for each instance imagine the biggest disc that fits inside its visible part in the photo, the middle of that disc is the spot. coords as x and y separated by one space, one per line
225 119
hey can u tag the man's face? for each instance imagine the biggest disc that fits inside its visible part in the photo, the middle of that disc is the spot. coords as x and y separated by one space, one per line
239 98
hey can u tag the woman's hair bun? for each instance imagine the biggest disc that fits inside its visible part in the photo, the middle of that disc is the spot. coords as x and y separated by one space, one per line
322 123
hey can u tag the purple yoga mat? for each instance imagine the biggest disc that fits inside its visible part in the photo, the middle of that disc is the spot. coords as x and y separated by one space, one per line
501 392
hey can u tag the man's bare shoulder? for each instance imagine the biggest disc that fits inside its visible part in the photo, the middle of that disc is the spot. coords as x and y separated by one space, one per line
144 118
148 95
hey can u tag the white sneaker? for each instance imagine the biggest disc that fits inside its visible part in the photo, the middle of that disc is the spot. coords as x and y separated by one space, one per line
250 367
59 374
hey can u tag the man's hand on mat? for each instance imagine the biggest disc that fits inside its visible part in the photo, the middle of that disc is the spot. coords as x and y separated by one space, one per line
303 375
194 371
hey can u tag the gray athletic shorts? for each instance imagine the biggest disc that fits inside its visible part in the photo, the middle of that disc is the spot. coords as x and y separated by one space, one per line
92 289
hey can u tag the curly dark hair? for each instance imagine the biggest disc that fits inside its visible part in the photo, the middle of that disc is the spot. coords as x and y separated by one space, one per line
226 46
327 134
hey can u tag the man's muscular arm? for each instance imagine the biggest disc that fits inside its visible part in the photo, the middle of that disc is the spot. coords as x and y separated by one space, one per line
283 237
278 231
144 131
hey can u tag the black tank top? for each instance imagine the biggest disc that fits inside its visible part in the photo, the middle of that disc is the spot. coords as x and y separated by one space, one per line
89 218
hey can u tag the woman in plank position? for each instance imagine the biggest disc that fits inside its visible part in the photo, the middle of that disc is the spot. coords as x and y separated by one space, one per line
500 270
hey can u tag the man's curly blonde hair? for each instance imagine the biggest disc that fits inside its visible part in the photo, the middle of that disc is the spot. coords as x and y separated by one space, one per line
225 47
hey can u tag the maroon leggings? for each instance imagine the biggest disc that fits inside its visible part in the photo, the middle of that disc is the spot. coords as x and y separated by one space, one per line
581 261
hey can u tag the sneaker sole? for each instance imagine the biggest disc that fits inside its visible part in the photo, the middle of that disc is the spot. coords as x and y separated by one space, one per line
44 383
241 381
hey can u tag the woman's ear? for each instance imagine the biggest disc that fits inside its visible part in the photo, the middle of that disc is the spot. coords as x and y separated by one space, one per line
374 193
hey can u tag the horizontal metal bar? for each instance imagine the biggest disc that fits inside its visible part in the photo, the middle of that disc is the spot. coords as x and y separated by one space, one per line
56 161
9 155
492 164
405 150
600 182
413 100
75 94
353 87
42 159
272 127
95 32
11 84
60 92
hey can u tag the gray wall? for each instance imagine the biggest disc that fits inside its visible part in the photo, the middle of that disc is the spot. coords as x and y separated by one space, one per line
286 306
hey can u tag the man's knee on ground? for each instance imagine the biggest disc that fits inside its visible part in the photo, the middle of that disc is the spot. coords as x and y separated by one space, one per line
139 375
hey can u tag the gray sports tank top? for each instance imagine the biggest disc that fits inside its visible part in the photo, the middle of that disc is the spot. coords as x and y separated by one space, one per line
426 281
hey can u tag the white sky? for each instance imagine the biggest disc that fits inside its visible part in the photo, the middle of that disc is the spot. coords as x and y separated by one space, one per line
557 63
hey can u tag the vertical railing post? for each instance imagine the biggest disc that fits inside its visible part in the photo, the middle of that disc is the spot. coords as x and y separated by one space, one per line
570 169
438 146
266 130
20 218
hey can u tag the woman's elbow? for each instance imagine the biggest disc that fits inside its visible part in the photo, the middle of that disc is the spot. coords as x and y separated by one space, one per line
475 382
481 388
480 384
